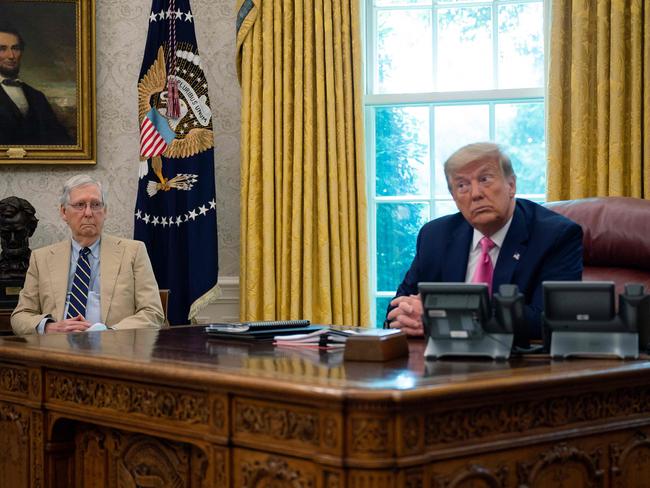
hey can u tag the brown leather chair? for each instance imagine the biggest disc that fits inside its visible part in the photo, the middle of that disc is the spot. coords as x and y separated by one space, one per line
616 238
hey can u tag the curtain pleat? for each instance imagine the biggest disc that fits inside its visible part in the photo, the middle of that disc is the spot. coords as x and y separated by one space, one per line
598 99
303 202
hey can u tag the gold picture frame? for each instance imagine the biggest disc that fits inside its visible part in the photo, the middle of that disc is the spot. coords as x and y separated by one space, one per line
54 122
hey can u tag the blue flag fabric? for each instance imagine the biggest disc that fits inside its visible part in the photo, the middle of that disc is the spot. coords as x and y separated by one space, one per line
175 211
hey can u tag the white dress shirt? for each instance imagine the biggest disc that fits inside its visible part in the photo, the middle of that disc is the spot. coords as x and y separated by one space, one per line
17 95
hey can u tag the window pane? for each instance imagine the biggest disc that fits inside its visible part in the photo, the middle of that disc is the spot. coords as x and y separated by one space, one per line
464 49
521 45
381 305
397 230
519 127
402 151
455 126
404 51
444 207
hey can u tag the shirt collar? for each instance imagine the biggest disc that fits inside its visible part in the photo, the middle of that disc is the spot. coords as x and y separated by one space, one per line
94 247
498 237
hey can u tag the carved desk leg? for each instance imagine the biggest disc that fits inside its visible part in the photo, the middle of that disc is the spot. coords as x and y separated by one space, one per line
21 427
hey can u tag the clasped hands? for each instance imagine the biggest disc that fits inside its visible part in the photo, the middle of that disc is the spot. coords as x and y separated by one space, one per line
77 324
407 315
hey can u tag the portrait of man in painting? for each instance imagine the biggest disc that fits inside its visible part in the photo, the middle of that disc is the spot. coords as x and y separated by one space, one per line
38 73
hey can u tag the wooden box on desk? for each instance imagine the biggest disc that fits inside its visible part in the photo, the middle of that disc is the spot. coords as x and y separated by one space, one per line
376 345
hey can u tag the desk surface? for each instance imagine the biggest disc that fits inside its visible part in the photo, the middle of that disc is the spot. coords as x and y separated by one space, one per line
190 353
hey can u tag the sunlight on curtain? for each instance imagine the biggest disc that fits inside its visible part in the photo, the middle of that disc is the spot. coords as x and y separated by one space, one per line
599 99
303 202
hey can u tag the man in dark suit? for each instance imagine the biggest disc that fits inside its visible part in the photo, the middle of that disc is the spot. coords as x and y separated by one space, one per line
494 235
26 117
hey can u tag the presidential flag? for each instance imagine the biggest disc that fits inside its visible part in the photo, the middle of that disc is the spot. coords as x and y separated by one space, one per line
175 211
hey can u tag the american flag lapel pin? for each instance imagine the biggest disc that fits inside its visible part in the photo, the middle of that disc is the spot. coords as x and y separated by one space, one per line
516 256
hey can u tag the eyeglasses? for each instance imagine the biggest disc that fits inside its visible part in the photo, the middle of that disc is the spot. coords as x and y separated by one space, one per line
81 206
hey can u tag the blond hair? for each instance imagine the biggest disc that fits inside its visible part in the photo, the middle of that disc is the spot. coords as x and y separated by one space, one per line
474 152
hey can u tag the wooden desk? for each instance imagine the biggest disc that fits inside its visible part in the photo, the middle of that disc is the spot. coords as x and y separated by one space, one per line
173 409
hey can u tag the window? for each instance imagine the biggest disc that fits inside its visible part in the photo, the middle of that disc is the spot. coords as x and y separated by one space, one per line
441 74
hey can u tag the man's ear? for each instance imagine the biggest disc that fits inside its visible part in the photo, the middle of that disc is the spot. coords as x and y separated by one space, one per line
62 213
512 184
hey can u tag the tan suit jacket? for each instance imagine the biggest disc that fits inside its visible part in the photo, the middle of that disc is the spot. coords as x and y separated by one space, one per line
129 296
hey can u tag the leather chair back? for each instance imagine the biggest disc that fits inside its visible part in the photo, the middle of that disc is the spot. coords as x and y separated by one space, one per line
616 238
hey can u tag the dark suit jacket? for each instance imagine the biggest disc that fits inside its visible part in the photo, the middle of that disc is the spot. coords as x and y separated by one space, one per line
39 126
548 247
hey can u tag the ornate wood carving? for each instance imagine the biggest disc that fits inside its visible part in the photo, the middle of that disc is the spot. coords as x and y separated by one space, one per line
13 379
91 454
331 432
371 479
146 461
332 479
199 470
412 431
473 475
128 398
10 414
35 384
108 457
38 444
630 463
562 466
370 435
414 478
220 460
462 425
274 472
14 459
219 413
276 422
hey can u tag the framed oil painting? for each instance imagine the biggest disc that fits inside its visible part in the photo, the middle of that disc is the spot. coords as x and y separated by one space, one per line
47 82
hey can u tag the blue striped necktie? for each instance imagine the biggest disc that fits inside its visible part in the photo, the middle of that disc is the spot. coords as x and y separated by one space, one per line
80 286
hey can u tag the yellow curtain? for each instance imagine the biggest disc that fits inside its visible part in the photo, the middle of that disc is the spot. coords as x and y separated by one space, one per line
303 202
598 124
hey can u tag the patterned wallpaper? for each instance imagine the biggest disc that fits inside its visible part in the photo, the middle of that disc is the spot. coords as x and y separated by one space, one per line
121 27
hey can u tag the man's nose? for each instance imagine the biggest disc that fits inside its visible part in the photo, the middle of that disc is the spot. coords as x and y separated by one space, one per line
475 190
88 210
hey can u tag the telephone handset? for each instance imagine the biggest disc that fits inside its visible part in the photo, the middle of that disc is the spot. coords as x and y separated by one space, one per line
509 317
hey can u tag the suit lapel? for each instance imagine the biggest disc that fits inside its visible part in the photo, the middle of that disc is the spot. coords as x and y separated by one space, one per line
58 264
514 247
110 260
9 104
454 266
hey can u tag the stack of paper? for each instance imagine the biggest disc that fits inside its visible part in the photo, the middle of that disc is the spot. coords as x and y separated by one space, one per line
329 337
325 337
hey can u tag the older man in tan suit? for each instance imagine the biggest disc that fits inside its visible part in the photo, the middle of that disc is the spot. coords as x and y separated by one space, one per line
94 279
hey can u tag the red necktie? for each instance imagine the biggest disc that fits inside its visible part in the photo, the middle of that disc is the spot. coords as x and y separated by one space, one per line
484 269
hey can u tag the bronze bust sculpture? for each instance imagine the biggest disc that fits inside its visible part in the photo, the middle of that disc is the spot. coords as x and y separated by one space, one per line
17 224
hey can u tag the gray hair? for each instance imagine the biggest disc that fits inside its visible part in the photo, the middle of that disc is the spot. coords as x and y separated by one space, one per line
476 151
77 181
